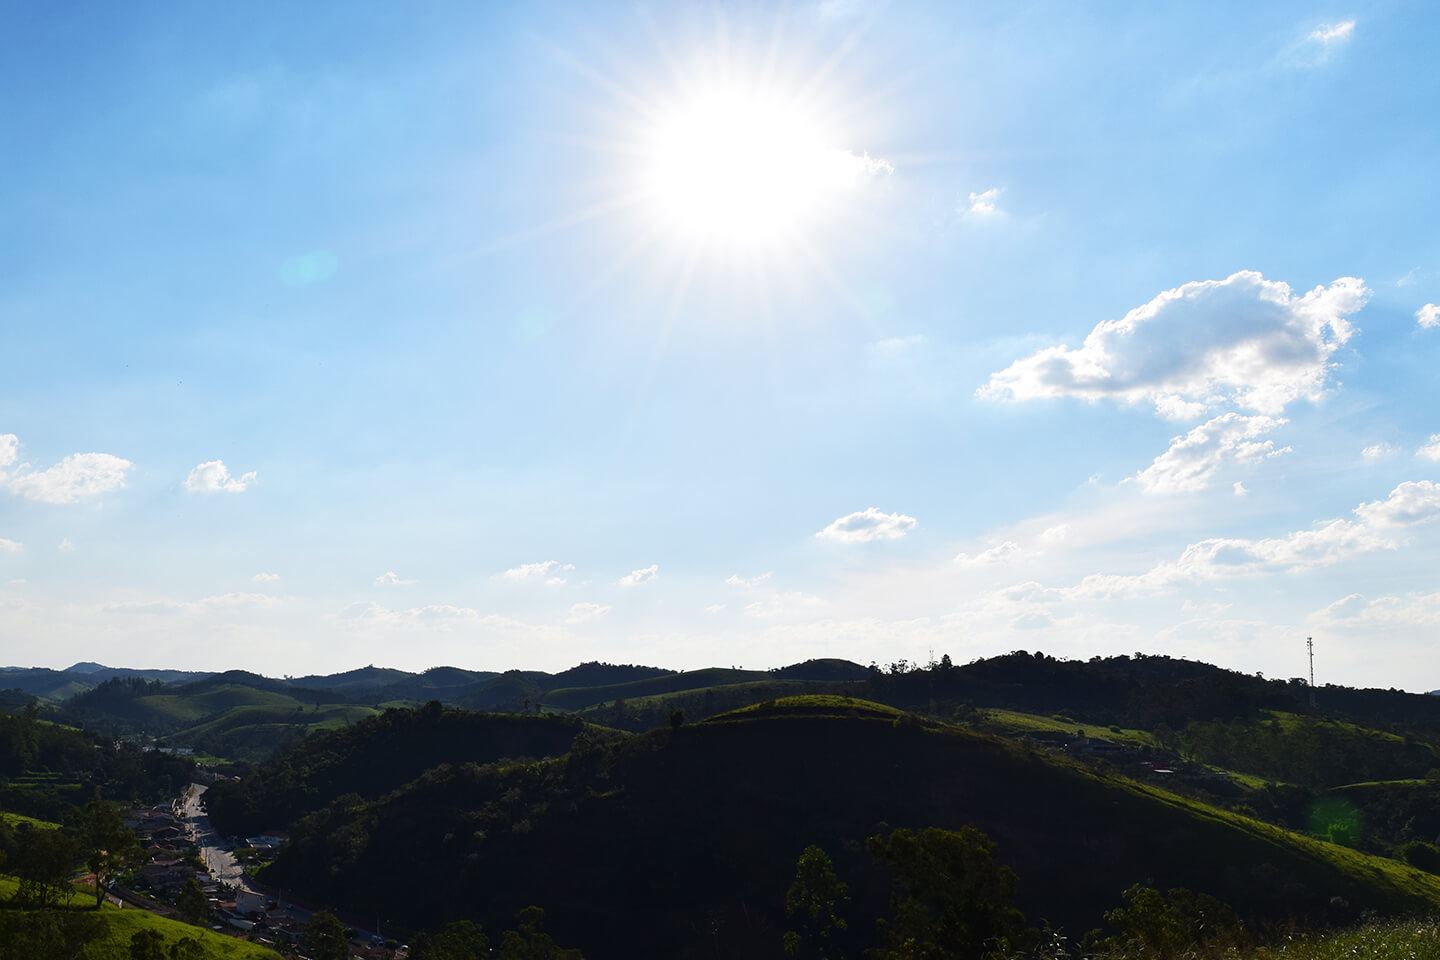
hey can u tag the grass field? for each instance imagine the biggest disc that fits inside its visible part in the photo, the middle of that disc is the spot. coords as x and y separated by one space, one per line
121 925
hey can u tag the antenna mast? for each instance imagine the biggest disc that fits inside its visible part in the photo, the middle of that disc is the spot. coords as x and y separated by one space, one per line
1310 646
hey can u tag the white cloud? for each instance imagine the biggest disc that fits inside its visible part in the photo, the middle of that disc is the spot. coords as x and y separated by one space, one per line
220 603
892 347
391 579
213 476
1430 450
580 612
1330 34
1412 502
1055 534
263 577
10 546
1243 341
439 615
1240 489
1428 315
1377 451
735 580
868 524
715 608
65 546
644 575
982 204
545 568
78 475
783 605
1193 459
9 450
1000 553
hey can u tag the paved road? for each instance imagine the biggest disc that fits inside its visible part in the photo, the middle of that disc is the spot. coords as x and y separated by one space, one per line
220 863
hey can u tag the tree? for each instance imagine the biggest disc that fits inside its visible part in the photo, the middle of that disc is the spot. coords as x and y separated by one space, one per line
461 940
147 945
528 942
324 938
1176 923
814 901
109 847
191 903
951 899
187 948
46 935
42 860
677 719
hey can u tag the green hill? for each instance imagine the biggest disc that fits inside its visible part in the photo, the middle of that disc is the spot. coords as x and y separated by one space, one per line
377 755
682 842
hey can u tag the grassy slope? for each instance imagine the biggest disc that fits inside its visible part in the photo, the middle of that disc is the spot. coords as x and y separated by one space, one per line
121 925
574 698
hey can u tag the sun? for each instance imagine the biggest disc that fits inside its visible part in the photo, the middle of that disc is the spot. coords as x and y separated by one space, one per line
734 167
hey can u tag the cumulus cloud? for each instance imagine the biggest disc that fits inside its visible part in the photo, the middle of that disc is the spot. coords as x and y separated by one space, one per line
78 475
9 451
1431 449
1377 451
1194 458
735 580
982 204
533 571
1240 489
1428 315
644 575
580 612
1000 553
65 546
391 579
263 577
1412 502
10 546
868 524
1243 341
213 476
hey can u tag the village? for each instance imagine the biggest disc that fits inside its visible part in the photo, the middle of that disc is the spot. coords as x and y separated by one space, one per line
185 855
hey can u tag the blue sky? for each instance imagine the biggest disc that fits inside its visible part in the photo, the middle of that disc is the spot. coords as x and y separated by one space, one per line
680 334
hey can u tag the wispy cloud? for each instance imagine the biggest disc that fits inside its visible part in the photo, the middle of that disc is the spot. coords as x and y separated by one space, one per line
982 204
644 575
581 612
546 569
867 525
1195 458
735 580
263 577
1243 341
10 546
1377 451
1331 34
65 546
390 579
213 476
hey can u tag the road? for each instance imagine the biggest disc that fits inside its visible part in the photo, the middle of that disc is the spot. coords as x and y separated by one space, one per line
220 863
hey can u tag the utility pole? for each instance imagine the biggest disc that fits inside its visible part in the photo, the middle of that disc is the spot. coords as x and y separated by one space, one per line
1310 646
